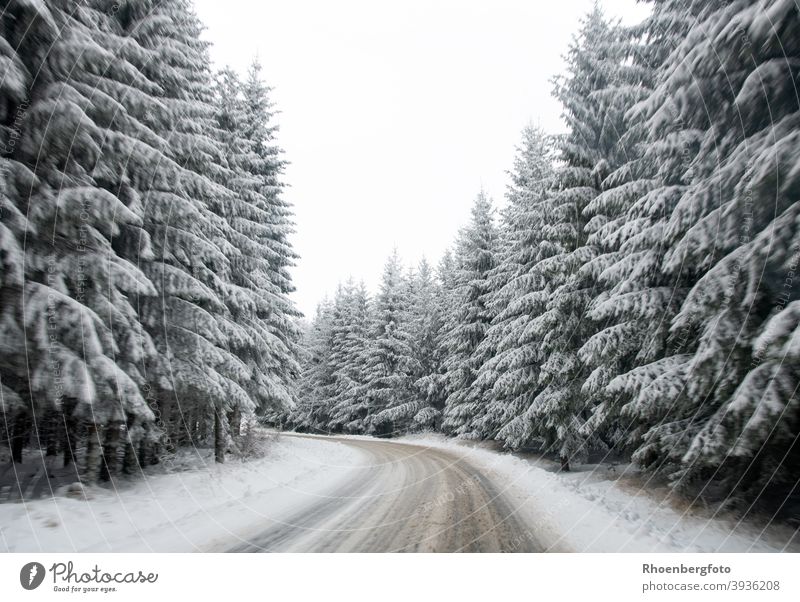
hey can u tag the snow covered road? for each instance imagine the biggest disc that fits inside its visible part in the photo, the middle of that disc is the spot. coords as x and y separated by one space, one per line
430 493
405 498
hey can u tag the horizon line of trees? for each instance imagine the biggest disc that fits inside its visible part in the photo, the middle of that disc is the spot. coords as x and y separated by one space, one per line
637 294
144 238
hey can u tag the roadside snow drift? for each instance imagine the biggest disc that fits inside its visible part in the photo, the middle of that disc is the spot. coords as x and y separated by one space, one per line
594 511
206 508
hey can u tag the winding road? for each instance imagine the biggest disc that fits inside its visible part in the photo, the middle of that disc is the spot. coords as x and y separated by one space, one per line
404 498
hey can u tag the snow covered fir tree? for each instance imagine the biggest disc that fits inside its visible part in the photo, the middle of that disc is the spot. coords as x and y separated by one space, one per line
634 296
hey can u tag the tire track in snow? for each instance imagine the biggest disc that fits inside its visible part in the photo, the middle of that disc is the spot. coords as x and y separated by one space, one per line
405 498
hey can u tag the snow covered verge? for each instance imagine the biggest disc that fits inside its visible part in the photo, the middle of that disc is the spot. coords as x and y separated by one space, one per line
601 508
204 507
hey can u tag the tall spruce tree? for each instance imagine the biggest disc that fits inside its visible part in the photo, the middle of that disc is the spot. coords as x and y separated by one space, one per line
350 338
509 374
474 261
431 386
255 302
312 411
265 166
389 365
197 378
421 325
637 300
588 153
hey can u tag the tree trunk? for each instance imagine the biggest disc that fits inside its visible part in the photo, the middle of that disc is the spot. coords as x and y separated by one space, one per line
235 422
110 462
204 428
200 427
154 453
191 427
93 453
219 438
143 451
564 463
20 436
6 433
69 452
179 421
178 436
130 463
67 429
52 434
166 409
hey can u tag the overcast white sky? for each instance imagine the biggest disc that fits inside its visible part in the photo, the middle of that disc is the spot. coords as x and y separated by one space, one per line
394 114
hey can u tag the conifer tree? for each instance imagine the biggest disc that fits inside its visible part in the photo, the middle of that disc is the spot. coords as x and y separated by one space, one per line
438 322
636 300
588 153
266 165
312 411
350 336
421 324
187 216
474 261
252 297
510 371
389 365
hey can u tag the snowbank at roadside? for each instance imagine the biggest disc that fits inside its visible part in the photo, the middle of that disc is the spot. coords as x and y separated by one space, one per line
208 507
598 511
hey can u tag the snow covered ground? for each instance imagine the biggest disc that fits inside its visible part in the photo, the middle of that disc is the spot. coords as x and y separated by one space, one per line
599 510
203 508
200 506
